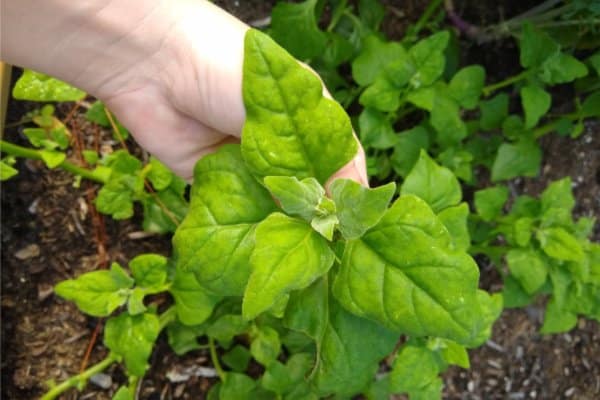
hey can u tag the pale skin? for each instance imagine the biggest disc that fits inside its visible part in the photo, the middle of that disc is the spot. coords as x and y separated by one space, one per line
170 70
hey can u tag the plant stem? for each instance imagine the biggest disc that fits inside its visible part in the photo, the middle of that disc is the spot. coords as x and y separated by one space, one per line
215 359
420 24
506 82
550 24
78 380
551 126
25 152
166 318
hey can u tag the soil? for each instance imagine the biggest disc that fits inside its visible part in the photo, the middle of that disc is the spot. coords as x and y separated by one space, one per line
50 232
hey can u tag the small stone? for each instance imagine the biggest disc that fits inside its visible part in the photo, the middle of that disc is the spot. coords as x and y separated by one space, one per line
569 392
44 291
178 391
101 380
27 252
471 386
519 352
533 394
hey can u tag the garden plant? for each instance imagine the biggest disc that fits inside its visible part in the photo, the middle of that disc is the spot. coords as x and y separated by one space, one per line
328 288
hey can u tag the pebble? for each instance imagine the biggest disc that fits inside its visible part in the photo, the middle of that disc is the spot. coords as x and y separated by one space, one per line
101 380
471 386
27 252
569 392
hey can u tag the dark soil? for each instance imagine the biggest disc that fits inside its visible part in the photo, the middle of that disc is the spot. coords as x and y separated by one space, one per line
50 233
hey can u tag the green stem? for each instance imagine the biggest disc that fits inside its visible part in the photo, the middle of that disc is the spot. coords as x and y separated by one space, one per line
133 385
337 15
552 24
215 359
25 152
420 24
167 317
80 379
506 82
551 126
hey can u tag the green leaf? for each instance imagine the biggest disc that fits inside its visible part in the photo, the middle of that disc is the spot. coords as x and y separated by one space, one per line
558 195
455 220
404 274
97 114
374 57
36 136
432 183
290 129
407 150
298 198
159 175
305 41
376 130
536 46
238 387
237 358
6 171
52 158
183 338
466 86
308 310
560 244
359 208
452 352
489 202
557 319
446 119
428 58
494 111
216 237
513 294
289 255
265 346
382 95
192 302
226 327
519 159
536 102
562 68
415 371
90 156
132 337
123 394
351 351
528 268
325 225
283 379
522 230
371 13
164 210
116 197
34 86
149 270
97 293
591 105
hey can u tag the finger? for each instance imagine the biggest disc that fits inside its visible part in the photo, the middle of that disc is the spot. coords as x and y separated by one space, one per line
356 170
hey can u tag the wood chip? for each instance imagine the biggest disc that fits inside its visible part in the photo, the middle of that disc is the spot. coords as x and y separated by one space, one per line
27 252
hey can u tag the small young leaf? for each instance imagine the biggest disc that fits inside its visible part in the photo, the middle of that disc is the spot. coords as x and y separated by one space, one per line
432 183
558 195
382 95
374 57
97 114
428 58
288 256
305 41
536 102
237 358
164 210
325 225
446 119
465 87
6 171
132 337
489 202
407 150
536 46
359 208
591 105
376 130
90 156
290 129
97 293
562 68
513 294
160 176
149 270
123 394
226 327
238 387
266 346
557 319
494 111
283 379
519 159
183 338
415 371
34 86
560 244
117 196
52 158
528 268
298 198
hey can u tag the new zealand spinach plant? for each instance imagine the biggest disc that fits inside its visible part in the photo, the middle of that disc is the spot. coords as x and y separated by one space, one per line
316 281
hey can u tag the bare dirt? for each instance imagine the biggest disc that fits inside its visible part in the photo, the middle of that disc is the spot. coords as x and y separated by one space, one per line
50 232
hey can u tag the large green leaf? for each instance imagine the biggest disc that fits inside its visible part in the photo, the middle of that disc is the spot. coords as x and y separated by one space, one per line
192 302
350 354
289 255
404 274
216 238
436 185
374 57
528 268
517 159
536 46
132 337
536 102
466 86
290 129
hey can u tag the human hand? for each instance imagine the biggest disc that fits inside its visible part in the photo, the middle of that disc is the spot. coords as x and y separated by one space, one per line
171 71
